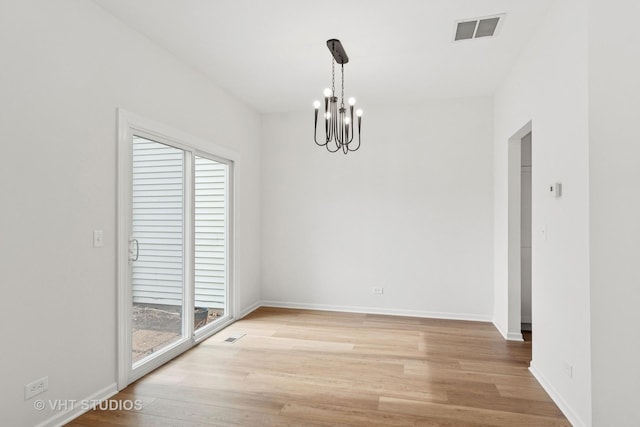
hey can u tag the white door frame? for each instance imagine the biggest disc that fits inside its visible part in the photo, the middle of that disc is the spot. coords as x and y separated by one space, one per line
514 290
128 124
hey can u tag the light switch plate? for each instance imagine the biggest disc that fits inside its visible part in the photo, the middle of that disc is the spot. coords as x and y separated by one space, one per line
98 238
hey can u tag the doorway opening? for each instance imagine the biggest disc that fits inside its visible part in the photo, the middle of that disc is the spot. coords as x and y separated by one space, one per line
525 237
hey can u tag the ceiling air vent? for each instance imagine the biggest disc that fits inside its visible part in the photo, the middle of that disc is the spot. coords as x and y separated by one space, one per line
487 26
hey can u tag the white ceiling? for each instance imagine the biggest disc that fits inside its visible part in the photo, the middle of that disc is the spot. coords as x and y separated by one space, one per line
272 53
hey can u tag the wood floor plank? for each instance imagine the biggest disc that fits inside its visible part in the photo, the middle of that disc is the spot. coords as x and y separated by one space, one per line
129 418
534 392
508 404
488 417
291 388
495 367
350 416
231 398
217 415
316 368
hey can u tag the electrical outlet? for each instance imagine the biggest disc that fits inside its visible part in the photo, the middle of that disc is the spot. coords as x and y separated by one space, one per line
379 291
36 387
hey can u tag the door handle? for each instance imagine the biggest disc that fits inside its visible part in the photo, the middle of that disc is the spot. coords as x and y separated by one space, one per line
137 254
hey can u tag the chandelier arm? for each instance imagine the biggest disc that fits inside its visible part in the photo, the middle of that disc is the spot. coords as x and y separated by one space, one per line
344 127
335 119
353 132
346 134
351 123
315 139
351 138
315 130
330 120
327 128
320 143
359 131
339 129
330 150
356 149
358 146
326 110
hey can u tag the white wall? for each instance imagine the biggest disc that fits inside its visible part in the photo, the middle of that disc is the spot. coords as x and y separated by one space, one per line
548 86
411 212
614 94
65 68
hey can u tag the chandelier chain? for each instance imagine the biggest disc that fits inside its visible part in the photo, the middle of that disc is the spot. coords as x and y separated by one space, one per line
333 77
342 94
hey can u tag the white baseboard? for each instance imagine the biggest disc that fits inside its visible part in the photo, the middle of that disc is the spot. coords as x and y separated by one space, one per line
497 326
253 307
65 417
509 336
377 310
573 418
515 336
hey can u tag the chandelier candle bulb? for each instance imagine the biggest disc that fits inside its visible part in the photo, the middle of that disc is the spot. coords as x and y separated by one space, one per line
338 123
316 107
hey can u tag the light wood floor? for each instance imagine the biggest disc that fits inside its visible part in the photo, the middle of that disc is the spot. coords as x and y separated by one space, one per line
313 368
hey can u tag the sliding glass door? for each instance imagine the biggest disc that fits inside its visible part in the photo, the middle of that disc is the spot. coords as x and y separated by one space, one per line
157 248
175 233
210 272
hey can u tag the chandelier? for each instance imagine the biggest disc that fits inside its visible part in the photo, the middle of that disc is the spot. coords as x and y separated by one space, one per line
338 124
